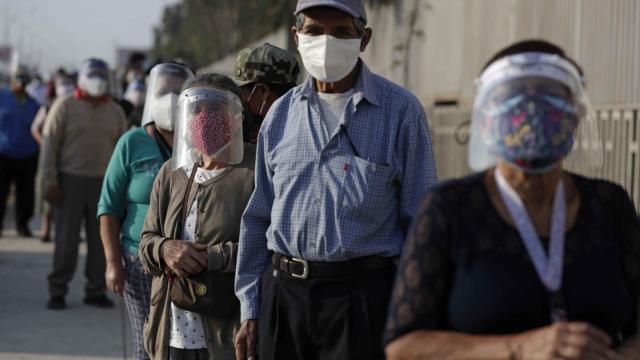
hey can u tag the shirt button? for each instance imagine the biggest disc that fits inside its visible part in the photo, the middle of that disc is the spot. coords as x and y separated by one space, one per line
317 202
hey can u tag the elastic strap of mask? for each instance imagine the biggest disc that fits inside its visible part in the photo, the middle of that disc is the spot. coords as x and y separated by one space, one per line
264 102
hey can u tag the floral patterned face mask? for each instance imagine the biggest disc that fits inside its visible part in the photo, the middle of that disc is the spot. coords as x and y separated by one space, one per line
210 131
532 132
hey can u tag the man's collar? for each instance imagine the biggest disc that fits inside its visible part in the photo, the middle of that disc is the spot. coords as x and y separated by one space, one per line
82 95
364 88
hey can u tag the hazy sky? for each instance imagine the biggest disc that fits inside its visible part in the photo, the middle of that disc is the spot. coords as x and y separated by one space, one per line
52 33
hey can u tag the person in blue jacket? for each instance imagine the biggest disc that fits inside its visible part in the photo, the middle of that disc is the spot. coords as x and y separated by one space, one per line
18 150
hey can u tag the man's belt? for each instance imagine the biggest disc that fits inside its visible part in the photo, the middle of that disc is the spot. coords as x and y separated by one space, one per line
303 269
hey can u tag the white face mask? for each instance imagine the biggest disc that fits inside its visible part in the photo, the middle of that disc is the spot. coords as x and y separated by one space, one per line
95 86
63 91
326 58
135 97
163 111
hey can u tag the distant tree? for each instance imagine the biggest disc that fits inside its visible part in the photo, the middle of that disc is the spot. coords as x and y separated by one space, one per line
203 31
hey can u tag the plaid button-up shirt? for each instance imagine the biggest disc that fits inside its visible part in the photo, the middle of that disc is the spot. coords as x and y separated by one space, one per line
323 196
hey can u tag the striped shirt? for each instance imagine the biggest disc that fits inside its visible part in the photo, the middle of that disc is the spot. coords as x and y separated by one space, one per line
323 196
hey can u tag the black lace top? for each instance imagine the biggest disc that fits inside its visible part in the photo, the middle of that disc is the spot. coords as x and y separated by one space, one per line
465 269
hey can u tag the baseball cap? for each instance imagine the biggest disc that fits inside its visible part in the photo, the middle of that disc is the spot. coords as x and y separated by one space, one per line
354 8
267 64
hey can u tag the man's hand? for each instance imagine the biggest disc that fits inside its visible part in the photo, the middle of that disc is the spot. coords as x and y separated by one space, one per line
184 257
115 277
54 194
246 340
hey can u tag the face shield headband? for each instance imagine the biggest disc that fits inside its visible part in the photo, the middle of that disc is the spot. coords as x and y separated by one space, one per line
531 64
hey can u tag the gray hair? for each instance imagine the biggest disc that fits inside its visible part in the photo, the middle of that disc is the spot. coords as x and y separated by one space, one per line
217 81
214 80
359 23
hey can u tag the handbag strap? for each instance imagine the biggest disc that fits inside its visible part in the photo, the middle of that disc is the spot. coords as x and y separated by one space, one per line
186 199
169 280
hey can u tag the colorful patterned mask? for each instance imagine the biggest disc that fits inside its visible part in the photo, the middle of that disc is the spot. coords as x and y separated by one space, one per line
210 131
532 132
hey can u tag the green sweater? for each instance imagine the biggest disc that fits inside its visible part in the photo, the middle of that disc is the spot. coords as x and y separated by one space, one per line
127 184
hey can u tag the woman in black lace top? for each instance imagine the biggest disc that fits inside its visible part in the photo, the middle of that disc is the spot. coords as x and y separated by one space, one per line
495 267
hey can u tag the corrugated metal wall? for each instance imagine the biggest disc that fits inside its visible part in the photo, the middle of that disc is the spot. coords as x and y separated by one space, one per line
226 65
453 39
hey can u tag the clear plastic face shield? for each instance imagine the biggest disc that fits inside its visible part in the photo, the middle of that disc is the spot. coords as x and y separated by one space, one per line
531 110
64 86
136 93
164 85
209 127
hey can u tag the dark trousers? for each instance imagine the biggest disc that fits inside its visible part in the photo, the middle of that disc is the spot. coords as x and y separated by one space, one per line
21 172
324 318
79 205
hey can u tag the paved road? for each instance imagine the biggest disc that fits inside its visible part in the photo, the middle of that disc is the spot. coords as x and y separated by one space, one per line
29 331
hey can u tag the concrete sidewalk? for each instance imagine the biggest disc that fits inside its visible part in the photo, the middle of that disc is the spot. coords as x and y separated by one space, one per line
29 331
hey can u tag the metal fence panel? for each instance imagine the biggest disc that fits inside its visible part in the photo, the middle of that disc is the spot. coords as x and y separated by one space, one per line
619 133
452 39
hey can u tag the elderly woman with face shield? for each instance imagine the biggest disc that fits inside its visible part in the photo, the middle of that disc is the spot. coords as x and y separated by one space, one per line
191 231
124 200
523 260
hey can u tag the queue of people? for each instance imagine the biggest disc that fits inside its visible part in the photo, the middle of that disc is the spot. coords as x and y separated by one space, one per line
250 217
124 200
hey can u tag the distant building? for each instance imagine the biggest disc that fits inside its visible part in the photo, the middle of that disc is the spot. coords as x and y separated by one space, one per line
436 48
128 59
123 54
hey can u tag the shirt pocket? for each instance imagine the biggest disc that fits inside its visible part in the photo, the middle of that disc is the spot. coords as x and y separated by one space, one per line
368 190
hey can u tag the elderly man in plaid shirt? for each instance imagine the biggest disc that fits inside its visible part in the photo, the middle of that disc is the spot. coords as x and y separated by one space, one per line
343 161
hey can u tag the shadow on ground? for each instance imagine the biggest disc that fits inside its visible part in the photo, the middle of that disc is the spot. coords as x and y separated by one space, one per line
29 331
